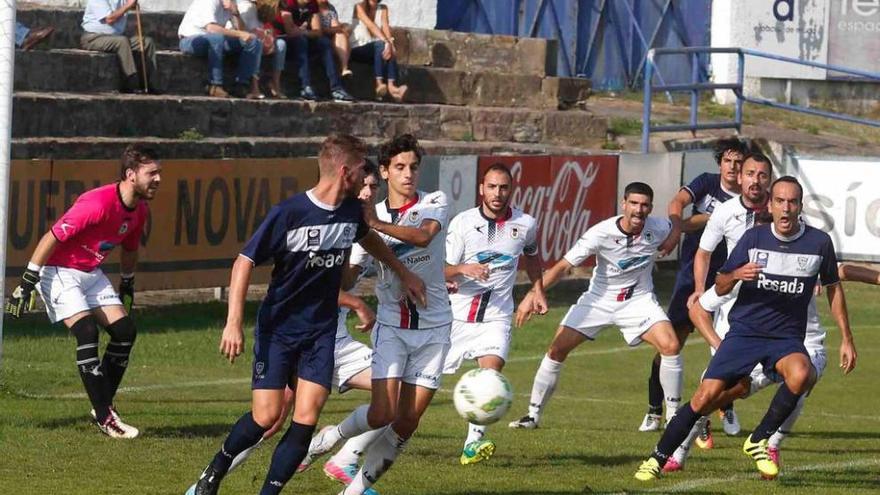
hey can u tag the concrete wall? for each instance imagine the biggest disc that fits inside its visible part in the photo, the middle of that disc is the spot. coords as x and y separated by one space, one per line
404 13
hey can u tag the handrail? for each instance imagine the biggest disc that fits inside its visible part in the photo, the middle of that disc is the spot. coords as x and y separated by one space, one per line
695 87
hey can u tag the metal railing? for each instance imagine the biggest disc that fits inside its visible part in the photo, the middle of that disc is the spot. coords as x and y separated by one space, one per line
695 87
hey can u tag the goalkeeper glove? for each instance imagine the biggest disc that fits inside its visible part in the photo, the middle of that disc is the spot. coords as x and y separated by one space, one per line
126 292
24 297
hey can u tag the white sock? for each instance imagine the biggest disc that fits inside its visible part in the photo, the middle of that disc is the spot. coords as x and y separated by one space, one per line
354 448
671 380
787 425
475 432
240 458
355 423
380 457
681 453
543 386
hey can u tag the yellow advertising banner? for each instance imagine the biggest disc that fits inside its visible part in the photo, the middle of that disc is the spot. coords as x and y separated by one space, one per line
203 214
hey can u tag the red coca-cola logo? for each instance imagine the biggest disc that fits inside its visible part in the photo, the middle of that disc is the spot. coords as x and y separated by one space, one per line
566 195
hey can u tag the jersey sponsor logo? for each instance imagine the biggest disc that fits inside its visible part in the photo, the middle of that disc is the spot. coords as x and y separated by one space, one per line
784 286
327 260
313 238
762 258
635 261
493 257
412 260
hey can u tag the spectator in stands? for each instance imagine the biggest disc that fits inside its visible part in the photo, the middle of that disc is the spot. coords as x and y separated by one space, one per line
299 21
371 41
104 23
337 32
257 17
203 33
26 38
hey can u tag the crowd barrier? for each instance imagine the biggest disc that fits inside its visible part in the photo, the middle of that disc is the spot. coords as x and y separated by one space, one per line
206 209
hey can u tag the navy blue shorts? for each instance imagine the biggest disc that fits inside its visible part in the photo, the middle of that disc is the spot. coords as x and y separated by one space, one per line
684 287
738 355
278 364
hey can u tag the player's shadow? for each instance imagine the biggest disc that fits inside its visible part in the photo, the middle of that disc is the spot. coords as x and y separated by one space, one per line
65 423
820 480
595 460
839 435
189 431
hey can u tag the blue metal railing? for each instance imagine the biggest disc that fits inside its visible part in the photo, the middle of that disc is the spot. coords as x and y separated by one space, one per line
695 87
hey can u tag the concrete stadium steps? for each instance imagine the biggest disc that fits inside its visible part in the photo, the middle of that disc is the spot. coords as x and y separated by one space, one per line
442 49
253 147
74 70
45 114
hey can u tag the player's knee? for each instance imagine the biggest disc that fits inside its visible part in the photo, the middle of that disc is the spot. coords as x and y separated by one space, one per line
267 416
800 380
85 330
557 353
123 330
379 417
703 400
669 347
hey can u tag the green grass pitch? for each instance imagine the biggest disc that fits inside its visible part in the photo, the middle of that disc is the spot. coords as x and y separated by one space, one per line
184 397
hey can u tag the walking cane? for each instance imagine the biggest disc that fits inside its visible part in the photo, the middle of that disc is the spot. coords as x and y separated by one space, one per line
137 14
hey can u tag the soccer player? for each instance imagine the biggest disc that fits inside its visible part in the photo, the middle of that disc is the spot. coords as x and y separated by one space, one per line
779 265
621 293
308 237
351 368
727 224
483 248
409 343
65 266
705 192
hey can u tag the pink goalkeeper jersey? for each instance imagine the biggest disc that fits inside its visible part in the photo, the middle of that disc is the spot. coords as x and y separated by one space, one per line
96 223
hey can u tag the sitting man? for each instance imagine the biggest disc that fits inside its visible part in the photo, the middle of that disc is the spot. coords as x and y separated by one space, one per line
202 33
299 20
104 24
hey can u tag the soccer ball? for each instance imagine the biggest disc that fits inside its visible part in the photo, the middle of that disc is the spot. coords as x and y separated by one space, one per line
482 396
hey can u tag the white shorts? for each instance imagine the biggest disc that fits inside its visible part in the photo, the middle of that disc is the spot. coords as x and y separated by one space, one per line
67 291
761 380
634 317
473 340
414 356
350 358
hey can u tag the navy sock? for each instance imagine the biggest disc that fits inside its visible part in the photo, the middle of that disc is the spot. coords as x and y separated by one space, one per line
782 405
245 434
291 450
655 390
676 431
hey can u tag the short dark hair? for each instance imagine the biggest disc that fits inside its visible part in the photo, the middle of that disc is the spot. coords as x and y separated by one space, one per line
638 188
397 145
136 155
729 144
760 158
497 167
370 168
791 180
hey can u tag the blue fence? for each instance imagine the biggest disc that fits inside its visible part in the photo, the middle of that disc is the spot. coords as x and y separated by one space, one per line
695 86
603 40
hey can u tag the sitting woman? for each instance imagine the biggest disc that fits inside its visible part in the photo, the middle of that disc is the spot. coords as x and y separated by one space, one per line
337 32
257 17
371 41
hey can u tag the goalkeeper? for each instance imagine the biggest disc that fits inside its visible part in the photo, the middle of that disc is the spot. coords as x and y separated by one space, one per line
65 270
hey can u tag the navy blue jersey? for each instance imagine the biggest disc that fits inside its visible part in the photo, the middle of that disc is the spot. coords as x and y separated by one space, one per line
707 193
775 305
308 242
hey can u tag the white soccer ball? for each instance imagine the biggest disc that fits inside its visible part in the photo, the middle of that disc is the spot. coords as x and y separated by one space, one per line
482 396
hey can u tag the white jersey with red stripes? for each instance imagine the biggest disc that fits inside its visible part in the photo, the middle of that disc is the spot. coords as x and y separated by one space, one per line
624 262
427 262
497 243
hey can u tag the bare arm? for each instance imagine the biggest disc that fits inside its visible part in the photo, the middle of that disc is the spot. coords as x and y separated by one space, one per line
856 273
528 305
128 261
477 271
419 236
235 33
837 301
44 249
371 26
675 209
702 258
702 320
232 341
694 223
386 26
725 282
364 313
535 272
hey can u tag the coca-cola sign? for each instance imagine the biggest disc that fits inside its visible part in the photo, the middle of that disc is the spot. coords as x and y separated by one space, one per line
566 194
